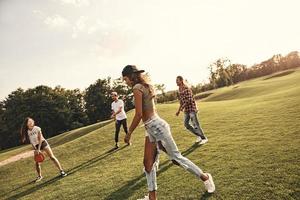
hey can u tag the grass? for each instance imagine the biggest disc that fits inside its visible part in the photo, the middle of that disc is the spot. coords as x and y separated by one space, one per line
253 152
56 140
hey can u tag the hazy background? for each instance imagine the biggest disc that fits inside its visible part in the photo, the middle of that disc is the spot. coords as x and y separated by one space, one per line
74 42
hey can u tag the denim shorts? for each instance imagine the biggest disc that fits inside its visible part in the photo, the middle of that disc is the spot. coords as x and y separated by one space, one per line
44 145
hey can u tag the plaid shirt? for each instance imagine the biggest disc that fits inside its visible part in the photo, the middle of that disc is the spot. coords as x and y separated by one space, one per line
187 100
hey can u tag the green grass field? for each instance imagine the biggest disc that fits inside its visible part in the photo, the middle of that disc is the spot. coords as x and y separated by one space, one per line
56 140
253 152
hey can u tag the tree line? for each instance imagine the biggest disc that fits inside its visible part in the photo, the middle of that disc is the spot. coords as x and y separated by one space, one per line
58 109
225 73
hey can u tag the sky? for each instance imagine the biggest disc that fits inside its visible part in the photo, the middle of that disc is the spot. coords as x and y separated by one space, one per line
72 43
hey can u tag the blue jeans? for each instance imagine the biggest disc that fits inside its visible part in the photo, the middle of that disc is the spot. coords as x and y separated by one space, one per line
196 128
158 130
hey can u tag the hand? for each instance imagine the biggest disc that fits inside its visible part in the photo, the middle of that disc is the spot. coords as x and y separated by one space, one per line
177 113
37 152
127 137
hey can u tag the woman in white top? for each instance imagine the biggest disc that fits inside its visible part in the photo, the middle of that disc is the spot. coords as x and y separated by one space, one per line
34 134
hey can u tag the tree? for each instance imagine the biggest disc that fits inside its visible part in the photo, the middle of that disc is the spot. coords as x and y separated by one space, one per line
98 100
219 75
3 128
54 110
161 88
237 72
76 105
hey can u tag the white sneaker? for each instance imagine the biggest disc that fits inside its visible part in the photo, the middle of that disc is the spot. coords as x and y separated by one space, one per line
204 141
38 179
198 139
209 184
145 198
63 173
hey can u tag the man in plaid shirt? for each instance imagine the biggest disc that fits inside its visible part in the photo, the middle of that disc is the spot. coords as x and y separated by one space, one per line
189 106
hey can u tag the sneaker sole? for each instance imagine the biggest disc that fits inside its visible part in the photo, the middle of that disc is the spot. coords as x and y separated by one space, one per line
38 180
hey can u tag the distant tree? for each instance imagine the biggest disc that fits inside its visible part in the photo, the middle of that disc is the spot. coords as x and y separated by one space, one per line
54 110
213 77
76 106
98 100
3 128
14 111
292 60
197 88
237 72
160 88
220 76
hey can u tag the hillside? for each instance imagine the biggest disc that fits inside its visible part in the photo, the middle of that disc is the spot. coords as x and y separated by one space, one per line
253 152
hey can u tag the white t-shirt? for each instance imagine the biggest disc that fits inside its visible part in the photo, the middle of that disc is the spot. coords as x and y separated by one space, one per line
115 106
33 135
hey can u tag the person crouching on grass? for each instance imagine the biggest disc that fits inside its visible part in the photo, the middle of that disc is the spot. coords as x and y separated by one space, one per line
158 133
118 113
38 142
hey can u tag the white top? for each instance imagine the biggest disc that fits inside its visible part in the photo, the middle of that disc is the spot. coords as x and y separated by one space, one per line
115 106
33 135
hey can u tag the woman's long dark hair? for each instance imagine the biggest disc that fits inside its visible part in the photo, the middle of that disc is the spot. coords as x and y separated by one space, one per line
144 80
24 129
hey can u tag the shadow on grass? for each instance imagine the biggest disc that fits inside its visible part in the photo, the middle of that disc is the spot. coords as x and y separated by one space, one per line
71 171
21 186
75 134
133 185
94 160
206 195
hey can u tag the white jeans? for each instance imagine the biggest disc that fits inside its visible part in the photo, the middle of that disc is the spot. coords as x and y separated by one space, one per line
158 130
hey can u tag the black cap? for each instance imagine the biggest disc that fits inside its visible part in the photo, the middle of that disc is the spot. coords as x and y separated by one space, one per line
131 69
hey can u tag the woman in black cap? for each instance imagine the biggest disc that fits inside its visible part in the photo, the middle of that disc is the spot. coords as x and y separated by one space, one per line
158 134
